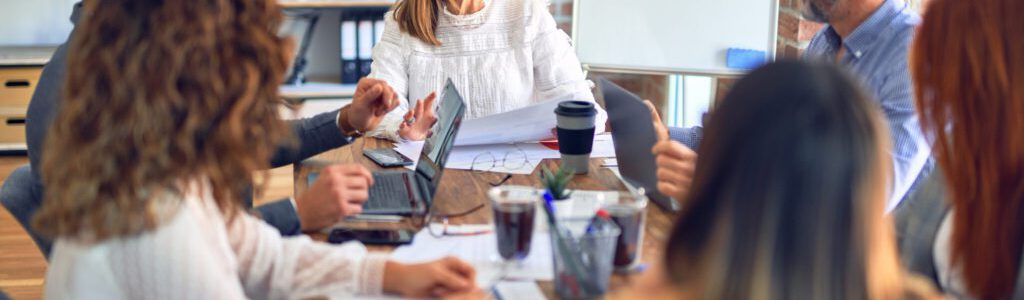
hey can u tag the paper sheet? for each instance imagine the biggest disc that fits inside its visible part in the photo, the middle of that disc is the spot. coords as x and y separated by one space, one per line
482 252
518 290
528 124
504 158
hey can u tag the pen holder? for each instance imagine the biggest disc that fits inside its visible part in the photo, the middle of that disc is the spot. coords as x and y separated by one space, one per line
591 256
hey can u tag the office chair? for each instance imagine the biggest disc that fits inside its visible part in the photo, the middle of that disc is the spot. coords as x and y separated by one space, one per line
22 195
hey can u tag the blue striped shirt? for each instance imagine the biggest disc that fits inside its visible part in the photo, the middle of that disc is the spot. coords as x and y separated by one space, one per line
877 52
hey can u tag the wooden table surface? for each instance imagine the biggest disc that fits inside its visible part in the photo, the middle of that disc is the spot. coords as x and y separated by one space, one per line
461 190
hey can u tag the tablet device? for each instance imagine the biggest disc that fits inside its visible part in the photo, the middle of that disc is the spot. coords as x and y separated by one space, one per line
634 136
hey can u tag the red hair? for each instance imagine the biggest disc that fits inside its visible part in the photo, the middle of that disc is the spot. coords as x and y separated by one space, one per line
968 62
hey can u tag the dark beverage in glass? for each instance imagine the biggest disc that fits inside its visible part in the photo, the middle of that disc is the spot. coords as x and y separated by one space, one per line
513 226
628 211
514 209
630 222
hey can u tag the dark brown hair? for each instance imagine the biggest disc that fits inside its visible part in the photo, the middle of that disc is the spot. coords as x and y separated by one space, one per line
968 63
788 195
161 94
419 18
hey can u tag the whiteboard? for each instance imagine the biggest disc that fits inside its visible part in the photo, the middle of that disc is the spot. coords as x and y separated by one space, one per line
35 22
671 36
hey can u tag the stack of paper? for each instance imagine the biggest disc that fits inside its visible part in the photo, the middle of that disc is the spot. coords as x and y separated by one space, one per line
517 158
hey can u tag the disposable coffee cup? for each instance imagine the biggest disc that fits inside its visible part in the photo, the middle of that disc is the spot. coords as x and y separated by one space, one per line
576 133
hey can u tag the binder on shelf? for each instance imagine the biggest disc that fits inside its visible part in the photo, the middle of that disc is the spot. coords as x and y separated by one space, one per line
349 50
378 30
365 36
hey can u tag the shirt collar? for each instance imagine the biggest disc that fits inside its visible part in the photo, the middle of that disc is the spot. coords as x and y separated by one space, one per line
860 40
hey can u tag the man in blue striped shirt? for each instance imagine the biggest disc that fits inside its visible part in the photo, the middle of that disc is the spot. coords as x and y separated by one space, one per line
871 39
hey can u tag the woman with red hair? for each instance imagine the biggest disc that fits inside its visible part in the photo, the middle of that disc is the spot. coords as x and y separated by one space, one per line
965 227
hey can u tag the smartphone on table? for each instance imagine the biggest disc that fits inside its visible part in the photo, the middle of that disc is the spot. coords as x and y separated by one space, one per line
371 236
387 158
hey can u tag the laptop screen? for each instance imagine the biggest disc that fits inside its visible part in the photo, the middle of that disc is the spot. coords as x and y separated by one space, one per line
439 144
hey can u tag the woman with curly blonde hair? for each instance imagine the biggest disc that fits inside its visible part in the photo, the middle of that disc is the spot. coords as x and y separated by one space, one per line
169 108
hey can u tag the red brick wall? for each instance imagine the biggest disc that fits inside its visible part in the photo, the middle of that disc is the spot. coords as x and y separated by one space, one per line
794 31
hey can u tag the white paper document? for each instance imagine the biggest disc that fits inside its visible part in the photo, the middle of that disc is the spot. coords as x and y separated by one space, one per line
517 158
518 290
528 124
481 251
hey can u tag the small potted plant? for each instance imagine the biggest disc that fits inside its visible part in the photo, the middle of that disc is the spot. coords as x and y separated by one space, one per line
556 183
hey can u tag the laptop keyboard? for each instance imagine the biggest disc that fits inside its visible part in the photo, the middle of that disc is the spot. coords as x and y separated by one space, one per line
388 192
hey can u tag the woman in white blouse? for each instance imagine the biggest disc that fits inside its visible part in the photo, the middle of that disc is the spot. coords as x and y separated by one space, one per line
170 108
501 54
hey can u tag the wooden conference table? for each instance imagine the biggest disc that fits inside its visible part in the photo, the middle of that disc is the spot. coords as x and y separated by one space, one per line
461 190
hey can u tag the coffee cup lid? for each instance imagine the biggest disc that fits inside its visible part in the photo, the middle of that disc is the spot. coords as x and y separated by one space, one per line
576 108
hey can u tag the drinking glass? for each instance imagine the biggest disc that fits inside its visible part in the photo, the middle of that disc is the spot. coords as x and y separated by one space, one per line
514 210
629 211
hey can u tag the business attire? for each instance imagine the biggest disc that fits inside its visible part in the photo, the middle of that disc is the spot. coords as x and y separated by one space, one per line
876 52
924 227
196 253
506 56
315 135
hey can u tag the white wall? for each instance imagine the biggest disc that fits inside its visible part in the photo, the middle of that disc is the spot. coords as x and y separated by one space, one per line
34 22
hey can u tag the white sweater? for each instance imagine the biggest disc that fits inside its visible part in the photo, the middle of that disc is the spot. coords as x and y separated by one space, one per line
506 56
196 254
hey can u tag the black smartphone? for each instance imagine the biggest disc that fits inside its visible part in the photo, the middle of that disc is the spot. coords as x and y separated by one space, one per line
388 158
371 236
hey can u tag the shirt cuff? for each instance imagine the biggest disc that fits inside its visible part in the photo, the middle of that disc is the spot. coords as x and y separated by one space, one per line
372 274
337 122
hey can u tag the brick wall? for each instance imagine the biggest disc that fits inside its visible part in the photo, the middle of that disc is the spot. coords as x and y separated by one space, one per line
794 32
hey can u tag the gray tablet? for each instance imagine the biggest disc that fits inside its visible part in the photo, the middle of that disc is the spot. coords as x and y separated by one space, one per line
634 136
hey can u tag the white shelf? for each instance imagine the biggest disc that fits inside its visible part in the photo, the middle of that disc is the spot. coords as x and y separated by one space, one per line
25 56
334 3
4 147
317 90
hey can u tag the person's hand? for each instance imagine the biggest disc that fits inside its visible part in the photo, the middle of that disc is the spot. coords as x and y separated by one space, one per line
339 192
373 99
676 163
441 278
659 127
416 123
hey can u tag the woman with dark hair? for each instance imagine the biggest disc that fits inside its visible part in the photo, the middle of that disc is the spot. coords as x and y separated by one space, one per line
169 109
965 227
504 54
788 198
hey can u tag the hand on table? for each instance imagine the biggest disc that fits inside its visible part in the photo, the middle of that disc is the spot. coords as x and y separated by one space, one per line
676 163
338 192
422 119
447 277
373 99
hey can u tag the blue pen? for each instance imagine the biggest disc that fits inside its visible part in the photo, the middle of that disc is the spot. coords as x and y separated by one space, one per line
550 207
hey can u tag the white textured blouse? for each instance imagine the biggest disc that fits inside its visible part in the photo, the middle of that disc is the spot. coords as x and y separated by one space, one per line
198 254
506 56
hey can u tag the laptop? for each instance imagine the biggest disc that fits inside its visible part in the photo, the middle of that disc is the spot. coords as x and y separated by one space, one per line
634 136
412 192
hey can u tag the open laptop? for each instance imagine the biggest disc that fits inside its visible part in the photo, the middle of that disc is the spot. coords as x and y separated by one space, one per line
634 136
412 192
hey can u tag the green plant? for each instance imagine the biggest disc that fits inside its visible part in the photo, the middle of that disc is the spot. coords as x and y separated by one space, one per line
557 182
